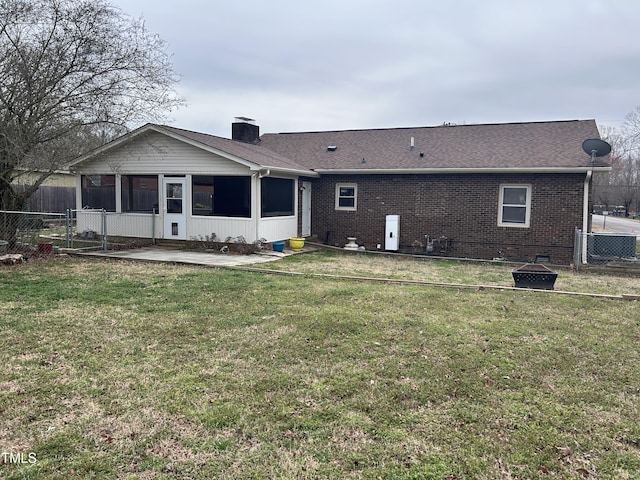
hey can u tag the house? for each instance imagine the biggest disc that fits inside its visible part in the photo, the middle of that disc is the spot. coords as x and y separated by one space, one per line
56 194
198 184
515 190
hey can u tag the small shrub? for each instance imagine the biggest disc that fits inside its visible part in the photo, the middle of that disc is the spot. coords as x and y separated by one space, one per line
230 244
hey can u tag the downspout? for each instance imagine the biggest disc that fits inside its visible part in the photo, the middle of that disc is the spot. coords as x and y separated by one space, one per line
585 215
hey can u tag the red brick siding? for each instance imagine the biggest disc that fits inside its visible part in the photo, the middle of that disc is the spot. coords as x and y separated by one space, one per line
462 208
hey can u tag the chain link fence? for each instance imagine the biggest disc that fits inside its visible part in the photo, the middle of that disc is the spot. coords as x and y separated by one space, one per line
28 232
600 248
92 230
31 233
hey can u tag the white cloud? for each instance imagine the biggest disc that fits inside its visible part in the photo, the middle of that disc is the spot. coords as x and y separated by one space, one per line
337 64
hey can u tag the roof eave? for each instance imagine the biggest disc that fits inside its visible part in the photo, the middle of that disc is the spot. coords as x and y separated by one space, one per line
434 171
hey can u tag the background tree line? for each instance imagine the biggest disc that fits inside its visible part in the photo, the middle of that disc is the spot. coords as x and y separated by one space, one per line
621 187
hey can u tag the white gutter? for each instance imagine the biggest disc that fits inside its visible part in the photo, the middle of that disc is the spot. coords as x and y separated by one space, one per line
585 215
433 171
289 171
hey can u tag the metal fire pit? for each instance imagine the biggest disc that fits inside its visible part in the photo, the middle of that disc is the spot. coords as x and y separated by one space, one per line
534 275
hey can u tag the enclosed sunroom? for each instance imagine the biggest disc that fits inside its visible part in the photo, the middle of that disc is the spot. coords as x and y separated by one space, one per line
167 183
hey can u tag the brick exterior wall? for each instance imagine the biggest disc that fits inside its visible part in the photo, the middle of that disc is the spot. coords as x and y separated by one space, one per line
460 212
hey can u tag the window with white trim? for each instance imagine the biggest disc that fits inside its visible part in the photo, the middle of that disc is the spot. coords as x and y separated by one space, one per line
346 196
515 206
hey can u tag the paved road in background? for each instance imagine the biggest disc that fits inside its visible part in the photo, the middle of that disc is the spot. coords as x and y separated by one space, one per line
615 224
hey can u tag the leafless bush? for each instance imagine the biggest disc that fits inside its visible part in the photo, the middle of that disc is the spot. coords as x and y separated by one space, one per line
238 245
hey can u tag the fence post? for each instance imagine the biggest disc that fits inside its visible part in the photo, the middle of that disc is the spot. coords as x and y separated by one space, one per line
153 226
104 230
577 249
68 229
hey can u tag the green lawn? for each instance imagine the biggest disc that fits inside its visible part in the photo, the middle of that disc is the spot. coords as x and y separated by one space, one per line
124 370
449 271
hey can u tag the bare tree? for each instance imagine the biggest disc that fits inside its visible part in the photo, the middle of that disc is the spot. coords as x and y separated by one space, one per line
628 172
620 186
631 126
74 73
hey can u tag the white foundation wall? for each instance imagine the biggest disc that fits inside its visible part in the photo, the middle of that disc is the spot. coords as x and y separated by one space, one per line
278 228
136 225
140 225
199 228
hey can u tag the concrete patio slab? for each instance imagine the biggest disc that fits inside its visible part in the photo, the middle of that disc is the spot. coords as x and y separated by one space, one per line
155 254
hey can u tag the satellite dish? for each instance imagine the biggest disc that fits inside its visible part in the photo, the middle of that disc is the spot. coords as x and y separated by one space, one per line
596 148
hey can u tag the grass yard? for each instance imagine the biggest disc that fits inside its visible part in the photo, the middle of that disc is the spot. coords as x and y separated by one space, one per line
111 369
442 270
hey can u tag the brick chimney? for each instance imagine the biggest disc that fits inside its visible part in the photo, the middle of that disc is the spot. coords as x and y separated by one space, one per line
245 130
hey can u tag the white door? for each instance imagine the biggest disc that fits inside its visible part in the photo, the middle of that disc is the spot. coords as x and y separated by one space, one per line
175 215
306 209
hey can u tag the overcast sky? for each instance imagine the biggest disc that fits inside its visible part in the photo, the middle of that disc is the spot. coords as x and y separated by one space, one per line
308 65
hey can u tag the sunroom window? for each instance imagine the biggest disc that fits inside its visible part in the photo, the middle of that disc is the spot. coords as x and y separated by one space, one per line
99 191
221 196
139 193
277 197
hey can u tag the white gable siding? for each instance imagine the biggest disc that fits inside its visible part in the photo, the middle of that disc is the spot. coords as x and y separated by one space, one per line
156 153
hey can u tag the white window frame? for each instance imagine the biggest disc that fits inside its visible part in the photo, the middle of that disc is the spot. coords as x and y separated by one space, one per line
355 196
526 205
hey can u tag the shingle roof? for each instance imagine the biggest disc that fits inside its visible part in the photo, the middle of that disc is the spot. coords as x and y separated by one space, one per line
535 145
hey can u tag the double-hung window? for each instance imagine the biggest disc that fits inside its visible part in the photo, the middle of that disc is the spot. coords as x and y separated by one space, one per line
515 206
346 196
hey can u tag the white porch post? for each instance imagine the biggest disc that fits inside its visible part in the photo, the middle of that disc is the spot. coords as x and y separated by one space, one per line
118 193
255 203
79 192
